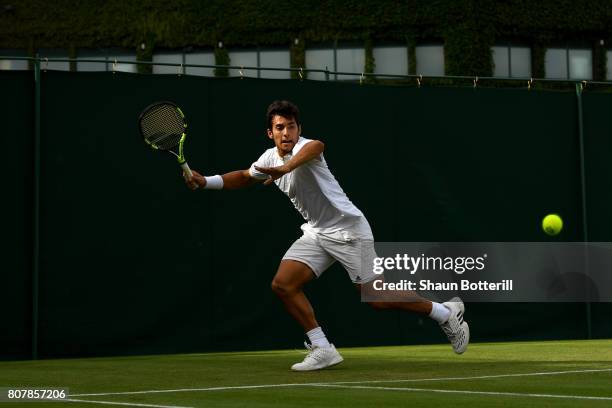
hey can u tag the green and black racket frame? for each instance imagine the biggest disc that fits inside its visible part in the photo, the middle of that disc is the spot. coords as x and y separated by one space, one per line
163 127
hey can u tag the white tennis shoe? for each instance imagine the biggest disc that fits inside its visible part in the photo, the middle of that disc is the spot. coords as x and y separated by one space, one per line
457 330
318 358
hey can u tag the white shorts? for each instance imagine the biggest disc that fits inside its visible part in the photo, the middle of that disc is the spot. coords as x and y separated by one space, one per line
353 247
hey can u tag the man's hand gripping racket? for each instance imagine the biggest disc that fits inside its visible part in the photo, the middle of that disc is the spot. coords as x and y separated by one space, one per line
163 127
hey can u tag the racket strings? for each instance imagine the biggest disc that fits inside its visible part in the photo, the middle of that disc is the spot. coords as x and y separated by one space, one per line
163 126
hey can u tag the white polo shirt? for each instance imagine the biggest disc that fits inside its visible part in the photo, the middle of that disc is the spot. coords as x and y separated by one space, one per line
312 188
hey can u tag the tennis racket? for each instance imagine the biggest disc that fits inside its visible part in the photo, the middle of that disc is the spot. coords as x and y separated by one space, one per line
163 127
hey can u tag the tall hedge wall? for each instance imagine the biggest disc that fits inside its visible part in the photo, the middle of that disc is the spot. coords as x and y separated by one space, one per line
467 27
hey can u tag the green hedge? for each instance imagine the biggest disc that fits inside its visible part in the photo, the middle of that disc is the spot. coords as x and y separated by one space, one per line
468 28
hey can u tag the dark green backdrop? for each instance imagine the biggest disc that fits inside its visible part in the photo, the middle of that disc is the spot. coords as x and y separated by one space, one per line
133 262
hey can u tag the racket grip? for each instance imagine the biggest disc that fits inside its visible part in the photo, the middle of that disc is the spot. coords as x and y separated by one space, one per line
186 169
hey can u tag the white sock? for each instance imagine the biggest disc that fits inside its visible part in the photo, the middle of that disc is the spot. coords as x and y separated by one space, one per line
439 312
317 337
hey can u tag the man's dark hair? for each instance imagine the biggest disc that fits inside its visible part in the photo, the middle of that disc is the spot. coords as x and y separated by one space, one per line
285 109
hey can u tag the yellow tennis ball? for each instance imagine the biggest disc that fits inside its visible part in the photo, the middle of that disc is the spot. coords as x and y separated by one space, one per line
552 224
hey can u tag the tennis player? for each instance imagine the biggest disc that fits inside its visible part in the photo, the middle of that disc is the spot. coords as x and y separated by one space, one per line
335 230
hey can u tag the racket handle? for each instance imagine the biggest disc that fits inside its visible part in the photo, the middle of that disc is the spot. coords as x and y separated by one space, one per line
186 169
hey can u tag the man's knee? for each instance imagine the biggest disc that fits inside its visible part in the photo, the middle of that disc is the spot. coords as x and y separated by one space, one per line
291 277
283 288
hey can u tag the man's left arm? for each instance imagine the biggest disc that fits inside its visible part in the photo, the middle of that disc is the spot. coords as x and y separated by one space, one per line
311 150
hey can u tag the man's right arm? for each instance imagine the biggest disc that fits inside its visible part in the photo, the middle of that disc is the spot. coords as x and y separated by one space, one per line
232 180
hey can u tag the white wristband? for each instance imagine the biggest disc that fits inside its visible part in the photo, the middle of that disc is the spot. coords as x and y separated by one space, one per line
214 183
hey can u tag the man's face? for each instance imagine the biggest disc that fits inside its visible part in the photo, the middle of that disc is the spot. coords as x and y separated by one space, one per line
285 132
